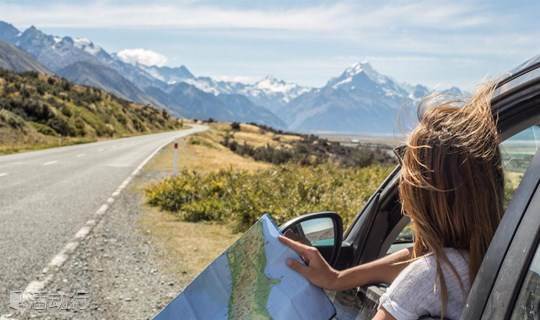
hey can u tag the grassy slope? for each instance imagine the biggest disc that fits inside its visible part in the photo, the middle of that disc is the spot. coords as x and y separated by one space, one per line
39 111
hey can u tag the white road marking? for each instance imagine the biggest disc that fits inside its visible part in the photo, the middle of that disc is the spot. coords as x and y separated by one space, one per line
80 155
58 260
83 232
102 209
3 174
50 162
101 149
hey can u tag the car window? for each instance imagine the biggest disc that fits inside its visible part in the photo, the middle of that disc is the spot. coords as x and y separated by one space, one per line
517 153
528 303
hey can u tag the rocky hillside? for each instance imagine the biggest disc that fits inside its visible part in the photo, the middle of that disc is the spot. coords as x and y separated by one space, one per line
38 110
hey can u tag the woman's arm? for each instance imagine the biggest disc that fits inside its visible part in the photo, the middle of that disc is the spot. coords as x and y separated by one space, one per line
382 314
320 273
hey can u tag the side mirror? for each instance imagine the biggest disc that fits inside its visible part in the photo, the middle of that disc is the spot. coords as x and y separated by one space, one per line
323 230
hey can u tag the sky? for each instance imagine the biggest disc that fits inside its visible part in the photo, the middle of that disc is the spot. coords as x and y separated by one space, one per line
436 43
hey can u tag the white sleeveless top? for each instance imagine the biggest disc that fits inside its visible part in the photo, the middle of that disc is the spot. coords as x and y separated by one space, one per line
415 293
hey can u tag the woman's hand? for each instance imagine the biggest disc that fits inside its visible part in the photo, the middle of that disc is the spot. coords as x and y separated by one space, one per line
315 268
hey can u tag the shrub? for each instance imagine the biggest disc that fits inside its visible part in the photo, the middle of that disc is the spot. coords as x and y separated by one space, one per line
61 126
312 150
240 197
11 119
235 126
43 129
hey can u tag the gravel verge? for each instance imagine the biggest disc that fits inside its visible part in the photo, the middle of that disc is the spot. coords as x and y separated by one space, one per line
117 272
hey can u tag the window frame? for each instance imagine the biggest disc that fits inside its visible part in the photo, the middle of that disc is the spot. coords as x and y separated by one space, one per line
516 263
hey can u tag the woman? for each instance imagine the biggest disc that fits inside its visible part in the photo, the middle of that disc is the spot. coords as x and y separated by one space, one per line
451 187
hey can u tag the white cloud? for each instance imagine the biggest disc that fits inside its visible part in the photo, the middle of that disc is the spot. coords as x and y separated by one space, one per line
142 56
337 16
181 16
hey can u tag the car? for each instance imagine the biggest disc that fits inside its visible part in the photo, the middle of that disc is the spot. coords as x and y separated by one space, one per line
507 285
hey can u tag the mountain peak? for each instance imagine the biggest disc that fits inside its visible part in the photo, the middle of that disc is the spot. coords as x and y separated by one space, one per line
270 79
361 65
366 68
86 45
32 31
353 74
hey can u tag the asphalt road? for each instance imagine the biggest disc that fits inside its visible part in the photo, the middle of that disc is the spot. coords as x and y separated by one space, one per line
47 196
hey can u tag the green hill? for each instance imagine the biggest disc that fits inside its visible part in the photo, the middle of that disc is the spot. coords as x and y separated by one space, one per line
39 111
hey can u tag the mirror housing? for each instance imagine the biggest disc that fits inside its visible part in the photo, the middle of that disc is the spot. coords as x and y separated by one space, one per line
322 230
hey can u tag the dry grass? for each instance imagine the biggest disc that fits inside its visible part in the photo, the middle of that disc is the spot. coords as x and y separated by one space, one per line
255 139
203 153
191 246
12 141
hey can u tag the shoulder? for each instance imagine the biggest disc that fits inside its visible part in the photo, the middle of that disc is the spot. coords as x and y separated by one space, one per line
419 272
414 292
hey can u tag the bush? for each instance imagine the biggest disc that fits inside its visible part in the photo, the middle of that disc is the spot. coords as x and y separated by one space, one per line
61 126
235 126
43 129
11 119
240 197
312 150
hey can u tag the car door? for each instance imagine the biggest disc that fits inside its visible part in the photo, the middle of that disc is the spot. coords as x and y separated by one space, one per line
515 293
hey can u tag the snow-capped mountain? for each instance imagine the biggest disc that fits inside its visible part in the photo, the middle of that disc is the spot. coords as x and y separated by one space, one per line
170 75
53 52
359 100
273 93
269 92
78 60
355 78
82 61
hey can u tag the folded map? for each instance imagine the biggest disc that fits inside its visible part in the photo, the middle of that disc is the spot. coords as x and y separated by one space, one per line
251 280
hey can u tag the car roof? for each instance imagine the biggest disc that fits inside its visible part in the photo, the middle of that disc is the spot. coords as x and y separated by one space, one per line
523 75
525 65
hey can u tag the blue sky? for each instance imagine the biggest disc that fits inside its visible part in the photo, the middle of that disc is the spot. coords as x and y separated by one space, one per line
438 43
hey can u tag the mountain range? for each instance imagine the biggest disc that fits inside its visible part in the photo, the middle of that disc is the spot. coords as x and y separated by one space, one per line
359 100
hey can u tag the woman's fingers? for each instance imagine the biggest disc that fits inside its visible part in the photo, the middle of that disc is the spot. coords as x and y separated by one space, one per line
298 267
301 249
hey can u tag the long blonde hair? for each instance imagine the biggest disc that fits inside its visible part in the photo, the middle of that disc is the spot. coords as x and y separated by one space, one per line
452 184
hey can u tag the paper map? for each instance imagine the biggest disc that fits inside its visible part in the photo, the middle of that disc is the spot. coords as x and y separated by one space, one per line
251 280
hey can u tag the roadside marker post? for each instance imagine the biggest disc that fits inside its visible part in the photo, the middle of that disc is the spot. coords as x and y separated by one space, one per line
175 159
